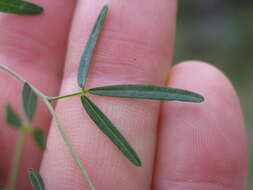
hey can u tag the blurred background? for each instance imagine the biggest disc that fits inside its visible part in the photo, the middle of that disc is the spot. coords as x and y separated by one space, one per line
221 33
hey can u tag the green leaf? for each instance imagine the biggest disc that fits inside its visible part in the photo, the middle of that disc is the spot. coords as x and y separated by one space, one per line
87 54
146 91
108 128
29 100
1 187
11 117
19 7
36 179
39 138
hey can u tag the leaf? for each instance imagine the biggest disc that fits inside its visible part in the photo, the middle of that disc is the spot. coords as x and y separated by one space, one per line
39 138
1 187
19 7
36 179
89 48
146 91
108 128
29 100
11 117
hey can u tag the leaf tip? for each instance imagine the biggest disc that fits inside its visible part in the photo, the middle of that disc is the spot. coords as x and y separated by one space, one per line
30 170
138 163
36 180
40 10
105 8
37 10
200 98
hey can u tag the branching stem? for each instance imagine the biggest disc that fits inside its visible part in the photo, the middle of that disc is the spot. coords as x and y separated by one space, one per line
58 124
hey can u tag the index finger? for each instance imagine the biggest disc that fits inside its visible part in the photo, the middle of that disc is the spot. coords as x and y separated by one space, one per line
135 47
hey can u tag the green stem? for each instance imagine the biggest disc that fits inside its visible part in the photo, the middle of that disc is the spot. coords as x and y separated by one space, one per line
70 148
58 124
64 96
16 160
17 76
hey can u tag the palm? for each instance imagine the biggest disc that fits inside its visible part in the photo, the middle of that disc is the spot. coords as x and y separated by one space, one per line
182 146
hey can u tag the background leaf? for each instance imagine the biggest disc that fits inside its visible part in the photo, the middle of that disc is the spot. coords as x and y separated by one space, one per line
19 7
36 179
29 100
39 138
1 187
107 127
11 117
89 48
146 91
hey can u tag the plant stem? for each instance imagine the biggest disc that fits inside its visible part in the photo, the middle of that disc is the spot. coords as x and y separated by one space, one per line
64 96
16 160
69 146
17 76
58 124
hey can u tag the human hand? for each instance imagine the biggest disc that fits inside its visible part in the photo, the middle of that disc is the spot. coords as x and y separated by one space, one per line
183 146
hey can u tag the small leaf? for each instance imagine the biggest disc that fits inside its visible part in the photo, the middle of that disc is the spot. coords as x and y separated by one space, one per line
36 179
89 48
11 117
39 138
29 100
146 91
108 128
19 7
1 187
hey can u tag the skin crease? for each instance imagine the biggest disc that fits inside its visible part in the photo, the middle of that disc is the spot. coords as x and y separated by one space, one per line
183 146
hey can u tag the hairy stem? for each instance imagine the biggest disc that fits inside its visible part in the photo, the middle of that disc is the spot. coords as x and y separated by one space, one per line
16 160
58 124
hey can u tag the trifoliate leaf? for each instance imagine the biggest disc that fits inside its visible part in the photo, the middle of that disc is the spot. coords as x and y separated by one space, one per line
36 179
108 128
19 7
29 100
87 54
146 91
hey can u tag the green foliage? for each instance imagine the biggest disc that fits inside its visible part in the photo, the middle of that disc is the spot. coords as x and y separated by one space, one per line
30 93
36 179
147 91
87 55
29 100
19 7
143 91
11 117
108 128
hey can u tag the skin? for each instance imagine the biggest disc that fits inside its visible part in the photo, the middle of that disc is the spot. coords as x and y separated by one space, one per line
183 146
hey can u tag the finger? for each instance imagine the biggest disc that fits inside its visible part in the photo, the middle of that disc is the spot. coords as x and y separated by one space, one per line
132 46
201 146
33 46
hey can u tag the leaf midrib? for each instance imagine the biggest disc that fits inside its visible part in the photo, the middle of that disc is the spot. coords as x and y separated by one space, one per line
124 146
